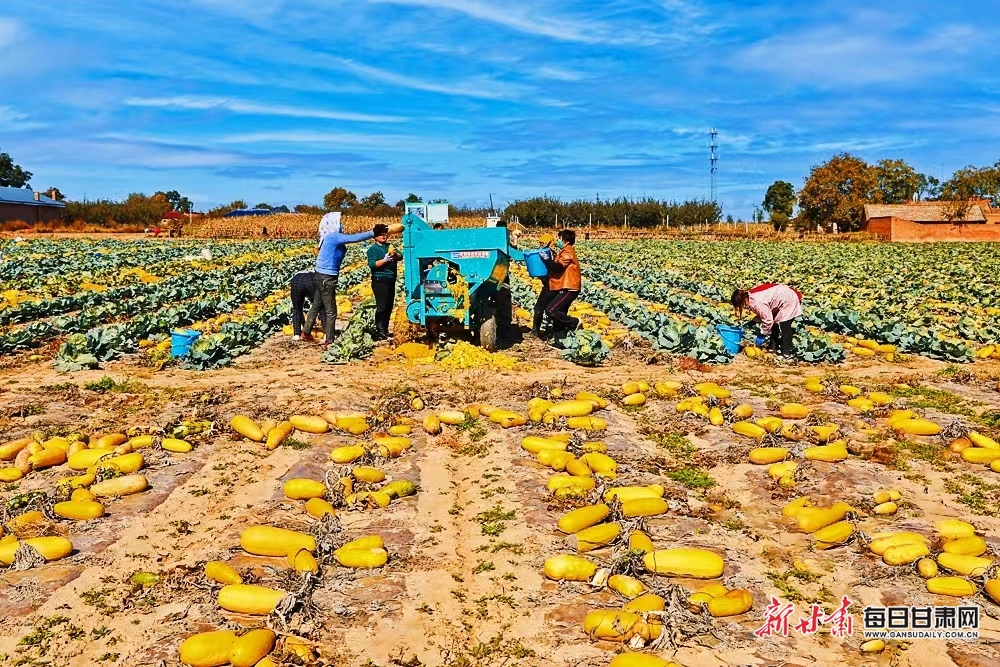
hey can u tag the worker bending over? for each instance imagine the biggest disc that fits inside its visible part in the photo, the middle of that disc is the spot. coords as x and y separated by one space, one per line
776 306
545 297
304 287
332 250
383 260
564 281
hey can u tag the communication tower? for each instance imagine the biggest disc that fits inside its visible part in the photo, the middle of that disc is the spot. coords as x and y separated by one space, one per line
715 163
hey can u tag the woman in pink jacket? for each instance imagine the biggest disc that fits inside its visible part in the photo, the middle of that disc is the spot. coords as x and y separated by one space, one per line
776 306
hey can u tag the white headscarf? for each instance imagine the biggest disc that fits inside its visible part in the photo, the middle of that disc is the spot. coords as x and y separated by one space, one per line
329 224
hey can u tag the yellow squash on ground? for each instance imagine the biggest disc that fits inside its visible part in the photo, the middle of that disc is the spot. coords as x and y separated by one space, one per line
249 649
733 603
309 424
50 548
594 537
694 563
274 541
249 598
247 427
953 586
964 565
768 455
568 567
620 626
222 573
208 649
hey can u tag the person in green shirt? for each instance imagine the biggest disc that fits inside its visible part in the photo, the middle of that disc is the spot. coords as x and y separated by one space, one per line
383 260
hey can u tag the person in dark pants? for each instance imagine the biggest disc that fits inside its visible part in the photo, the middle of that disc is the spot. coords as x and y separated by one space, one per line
565 282
776 307
303 287
383 260
546 295
332 250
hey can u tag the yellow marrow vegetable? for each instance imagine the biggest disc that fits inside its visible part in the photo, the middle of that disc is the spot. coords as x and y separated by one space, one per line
694 563
249 598
208 649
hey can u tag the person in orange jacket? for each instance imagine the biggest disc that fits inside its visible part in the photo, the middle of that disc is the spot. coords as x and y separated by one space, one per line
565 282
545 297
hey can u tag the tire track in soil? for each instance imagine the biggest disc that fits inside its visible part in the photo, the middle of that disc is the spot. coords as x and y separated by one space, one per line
411 628
464 588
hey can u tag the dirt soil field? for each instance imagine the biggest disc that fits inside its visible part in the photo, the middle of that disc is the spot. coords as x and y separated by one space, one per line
464 584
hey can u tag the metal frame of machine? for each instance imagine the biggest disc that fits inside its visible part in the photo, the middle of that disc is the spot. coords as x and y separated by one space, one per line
456 279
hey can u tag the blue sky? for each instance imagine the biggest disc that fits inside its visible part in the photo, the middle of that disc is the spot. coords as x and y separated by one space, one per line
277 101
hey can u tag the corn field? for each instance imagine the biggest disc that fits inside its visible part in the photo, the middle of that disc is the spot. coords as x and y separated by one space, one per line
296 225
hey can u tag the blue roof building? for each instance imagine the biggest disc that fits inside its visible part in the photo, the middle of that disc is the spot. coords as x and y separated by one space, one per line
28 206
243 212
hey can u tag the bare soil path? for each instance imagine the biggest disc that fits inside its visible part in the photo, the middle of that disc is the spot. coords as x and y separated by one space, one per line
464 584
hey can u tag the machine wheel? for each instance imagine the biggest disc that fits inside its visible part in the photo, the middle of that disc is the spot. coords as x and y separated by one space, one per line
489 334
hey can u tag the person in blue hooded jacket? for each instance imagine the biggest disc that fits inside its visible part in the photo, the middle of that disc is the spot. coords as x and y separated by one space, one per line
332 250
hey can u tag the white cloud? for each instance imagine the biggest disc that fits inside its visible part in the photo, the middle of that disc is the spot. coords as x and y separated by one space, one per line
10 115
558 74
341 139
868 50
9 30
196 103
539 22
485 88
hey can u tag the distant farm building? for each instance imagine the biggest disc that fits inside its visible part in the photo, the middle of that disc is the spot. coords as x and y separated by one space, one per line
244 212
171 217
28 206
922 222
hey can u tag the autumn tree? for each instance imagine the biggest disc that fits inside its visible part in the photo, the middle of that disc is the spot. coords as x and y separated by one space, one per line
177 202
375 200
897 181
339 199
973 183
928 188
836 193
779 202
12 175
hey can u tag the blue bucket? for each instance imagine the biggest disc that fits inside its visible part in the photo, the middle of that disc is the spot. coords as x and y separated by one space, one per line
181 341
732 337
535 261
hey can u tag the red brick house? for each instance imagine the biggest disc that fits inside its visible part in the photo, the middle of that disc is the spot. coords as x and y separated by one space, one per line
923 222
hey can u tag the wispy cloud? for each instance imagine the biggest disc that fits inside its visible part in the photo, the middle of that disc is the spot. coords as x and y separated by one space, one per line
386 142
10 115
195 103
872 49
534 18
484 88
9 30
558 74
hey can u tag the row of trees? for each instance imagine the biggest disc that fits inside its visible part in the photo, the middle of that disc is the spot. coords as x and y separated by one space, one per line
643 212
835 192
136 209
343 200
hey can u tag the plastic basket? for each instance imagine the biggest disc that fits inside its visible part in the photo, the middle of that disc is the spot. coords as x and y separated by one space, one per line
732 337
181 341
